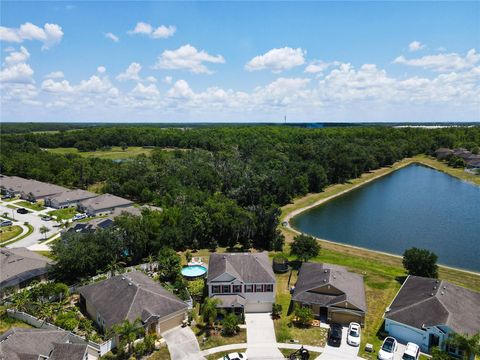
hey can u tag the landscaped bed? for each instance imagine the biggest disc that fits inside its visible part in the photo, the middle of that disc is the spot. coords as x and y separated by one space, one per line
63 214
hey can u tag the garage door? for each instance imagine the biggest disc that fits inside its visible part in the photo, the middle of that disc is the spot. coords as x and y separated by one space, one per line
404 334
345 319
171 323
258 307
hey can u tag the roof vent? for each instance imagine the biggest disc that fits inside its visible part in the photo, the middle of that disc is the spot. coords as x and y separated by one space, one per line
437 281
130 284
123 278
325 271
431 294
442 293
324 280
434 288
444 287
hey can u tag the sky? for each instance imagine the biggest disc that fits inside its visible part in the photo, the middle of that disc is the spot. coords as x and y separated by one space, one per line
91 61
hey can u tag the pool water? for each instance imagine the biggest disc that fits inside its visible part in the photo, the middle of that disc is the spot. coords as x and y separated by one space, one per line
194 271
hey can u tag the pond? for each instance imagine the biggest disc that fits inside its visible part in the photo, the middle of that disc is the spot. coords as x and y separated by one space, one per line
414 206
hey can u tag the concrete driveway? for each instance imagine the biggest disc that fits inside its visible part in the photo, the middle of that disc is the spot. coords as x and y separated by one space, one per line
182 344
344 352
261 340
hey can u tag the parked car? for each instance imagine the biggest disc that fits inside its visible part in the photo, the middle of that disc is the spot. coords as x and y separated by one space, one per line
22 211
6 223
412 352
79 217
353 337
234 356
388 349
6 197
46 218
335 335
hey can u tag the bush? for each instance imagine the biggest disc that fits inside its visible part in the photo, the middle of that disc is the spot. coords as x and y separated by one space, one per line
230 325
195 288
305 247
67 321
276 311
420 262
304 316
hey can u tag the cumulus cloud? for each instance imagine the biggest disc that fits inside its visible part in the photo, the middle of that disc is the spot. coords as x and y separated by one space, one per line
415 46
180 90
161 32
318 66
16 57
52 86
101 69
55 75
277 60
442 62
145 91
167 79
15 69
49 35
131 73
189 58
112 37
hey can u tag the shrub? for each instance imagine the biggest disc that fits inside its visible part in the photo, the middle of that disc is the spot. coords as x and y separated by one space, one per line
230 325
304 316
276 311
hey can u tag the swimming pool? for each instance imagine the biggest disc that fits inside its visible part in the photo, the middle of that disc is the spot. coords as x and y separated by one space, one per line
194 271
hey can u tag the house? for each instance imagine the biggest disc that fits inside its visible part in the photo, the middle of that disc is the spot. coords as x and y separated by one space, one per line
44 344
20 266
132 296
333 293
11 185
68 198
241 281
443 153
91 225
34 190
425 311
103 204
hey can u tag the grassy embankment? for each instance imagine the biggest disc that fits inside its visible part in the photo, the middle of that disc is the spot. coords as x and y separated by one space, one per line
115 153
382 272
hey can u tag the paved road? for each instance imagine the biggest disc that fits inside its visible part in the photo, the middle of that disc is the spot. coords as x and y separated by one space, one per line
182 344
261 340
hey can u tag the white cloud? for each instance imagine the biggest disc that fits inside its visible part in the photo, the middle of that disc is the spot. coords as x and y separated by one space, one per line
18 73
443 62
189 58
161 32
318 66
16 57
49 35
180 90
151 79
167 79
101 69
277 60
145 91
112 37
95 84
415 46
131 73
53 86
55 75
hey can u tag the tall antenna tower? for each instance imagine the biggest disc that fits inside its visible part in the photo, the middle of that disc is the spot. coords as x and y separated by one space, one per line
285 119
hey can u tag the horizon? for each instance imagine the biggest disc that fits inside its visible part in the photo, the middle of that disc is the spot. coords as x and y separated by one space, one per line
233 62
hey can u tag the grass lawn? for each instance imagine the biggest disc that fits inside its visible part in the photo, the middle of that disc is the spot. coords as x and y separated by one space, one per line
162 354
221 354
6 322
115 153
9 232
30 230
217 339
47 254
63 214
29 205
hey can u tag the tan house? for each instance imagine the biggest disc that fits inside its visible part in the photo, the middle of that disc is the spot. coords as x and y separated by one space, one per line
334 294
68 198
103 204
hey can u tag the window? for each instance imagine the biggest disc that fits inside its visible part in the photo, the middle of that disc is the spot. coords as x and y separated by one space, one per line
268 288
258 288
225 289
237 288
248 288
216 289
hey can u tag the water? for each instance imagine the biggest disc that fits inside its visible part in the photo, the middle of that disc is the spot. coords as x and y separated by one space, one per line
414 206
194 271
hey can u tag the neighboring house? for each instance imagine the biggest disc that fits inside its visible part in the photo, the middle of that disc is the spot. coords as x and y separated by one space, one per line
103 204
34 190
473 162
91 225
68 198
443 153
20 266
131 210
425 311
132 296
242 281
43 344
333 293
11 185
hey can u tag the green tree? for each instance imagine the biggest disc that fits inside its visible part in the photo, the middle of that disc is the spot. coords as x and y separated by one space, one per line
230 324
196 288
209 311
470 345
276 310
44 230
438 354
123 145
115 265
128 332
304 247
304 315
21 300
169 264
420 262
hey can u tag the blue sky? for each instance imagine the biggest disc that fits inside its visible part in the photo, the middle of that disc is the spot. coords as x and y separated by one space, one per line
240 61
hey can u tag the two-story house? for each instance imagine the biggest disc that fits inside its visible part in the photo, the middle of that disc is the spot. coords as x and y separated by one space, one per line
242 282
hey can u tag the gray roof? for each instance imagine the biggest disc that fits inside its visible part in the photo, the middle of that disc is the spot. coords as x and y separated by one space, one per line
28 186
249 268
72 195
229 301
22 344
315 275
429 302
127 210
20 264
130 296
105 201
68 351
91 225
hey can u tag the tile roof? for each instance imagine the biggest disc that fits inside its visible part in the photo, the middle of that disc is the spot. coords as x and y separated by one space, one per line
429 302
249 268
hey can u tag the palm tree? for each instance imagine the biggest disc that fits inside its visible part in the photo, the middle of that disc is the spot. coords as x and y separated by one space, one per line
209 311
44 230
149 260
21 301
115 266
470 345
128 331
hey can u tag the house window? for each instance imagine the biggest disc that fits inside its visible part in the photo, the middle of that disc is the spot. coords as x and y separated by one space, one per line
216 289
268 288
248 288
225 289
237 288
259 288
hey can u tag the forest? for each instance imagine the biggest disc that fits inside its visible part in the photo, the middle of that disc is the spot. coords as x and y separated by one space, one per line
224 186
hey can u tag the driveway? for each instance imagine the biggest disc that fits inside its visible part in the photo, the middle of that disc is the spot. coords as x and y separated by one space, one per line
182 344
344 352
261 340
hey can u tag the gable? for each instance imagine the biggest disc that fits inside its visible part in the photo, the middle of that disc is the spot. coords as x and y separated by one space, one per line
327 289
225 277
345 305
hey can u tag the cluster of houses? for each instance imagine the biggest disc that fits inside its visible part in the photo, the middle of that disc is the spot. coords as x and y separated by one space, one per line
472 161
425 311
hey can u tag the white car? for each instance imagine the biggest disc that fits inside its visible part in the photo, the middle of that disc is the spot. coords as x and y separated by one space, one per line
353 334
388 349
79 217
412 352
234 356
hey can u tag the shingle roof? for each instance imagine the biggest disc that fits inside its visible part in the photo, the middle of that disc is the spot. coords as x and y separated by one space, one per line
20 264
21 344
105 201
91 225
131 296
72 195
249 268
429 302
227 301
68 352
314 275
27 186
